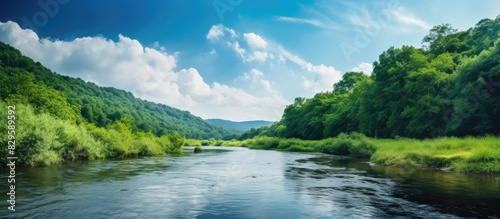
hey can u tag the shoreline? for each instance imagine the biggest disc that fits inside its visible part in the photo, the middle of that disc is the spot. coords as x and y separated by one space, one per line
466 155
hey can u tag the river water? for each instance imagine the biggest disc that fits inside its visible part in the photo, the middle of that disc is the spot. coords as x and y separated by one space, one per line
242 183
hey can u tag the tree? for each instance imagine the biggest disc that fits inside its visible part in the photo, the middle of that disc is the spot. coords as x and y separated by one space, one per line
87 113
437 39
348 81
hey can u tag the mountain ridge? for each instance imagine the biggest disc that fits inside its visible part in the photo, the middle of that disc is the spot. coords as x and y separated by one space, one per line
239 126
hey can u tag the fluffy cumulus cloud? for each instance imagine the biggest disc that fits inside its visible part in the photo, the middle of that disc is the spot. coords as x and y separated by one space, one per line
364 67
258 56
147 72
255 41
323 77
218 31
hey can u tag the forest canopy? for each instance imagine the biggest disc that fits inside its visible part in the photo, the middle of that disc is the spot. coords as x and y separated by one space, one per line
449 87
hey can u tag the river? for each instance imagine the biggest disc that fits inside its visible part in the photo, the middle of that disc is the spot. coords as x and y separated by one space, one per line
241 183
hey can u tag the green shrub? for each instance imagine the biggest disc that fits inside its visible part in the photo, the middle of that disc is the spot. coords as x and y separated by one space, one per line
198 149
193 142
363 148
42 139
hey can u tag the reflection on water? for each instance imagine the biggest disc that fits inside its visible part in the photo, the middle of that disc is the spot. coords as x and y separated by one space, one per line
241 183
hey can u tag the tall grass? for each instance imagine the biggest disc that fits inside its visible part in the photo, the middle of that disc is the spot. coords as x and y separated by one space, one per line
470 154
42 139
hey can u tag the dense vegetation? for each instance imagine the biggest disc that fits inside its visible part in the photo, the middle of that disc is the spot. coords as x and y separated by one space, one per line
24 81
43 139
450 87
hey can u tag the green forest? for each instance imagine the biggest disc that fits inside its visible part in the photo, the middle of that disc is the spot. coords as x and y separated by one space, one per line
450 87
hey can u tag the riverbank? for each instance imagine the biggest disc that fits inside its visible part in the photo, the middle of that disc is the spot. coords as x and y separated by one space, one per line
40 139
469 155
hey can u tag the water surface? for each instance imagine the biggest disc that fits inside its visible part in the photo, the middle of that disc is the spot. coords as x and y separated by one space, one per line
242 183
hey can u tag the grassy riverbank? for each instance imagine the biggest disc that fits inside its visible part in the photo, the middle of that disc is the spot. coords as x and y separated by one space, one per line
40 139
471 154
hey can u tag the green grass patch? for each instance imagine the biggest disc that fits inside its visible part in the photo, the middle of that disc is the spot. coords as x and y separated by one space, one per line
469 154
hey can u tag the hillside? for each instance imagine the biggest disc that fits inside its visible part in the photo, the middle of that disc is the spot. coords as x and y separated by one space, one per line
238 126
24 81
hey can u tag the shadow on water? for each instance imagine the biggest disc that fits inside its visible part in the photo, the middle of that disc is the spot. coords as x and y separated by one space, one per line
402 191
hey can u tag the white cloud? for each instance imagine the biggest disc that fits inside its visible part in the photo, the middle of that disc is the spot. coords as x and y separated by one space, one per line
237 48
215 32
313 22
256 78
258 56
268 86
364 67
146 72
360 16
405 17
373 19
255 41
219 30
253 75
281 59
321 77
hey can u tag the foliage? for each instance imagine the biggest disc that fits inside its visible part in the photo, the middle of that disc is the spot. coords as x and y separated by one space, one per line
42 139
197 149
451 87
192 142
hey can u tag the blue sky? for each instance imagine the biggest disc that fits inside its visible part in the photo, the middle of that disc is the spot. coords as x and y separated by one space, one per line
230 59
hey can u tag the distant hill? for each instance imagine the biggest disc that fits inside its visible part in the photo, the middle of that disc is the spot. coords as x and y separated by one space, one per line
24 81
239 126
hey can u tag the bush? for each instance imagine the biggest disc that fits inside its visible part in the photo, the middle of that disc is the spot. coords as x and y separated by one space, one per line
42 139
362 148
335 146
198 149
193 142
